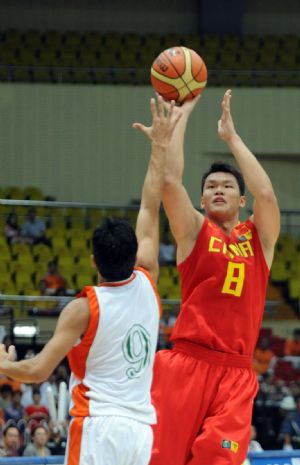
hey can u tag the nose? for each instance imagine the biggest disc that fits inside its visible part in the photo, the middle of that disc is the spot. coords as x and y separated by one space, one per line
219 189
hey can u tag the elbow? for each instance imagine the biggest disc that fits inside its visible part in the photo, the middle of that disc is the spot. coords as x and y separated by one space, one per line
170 182
267 195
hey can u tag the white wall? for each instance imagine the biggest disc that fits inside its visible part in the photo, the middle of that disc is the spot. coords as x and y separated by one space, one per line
76 142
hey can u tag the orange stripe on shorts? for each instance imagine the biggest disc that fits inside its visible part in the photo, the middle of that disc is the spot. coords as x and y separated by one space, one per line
75 434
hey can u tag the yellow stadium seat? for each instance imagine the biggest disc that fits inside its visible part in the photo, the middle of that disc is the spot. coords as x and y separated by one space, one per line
21 248
7 286
13 38
84 264
42 253
294 288
72 39
33 193
92 40
13 192
33 38
53 39
79 246
24 283
5 254
58 245
279 271
84 279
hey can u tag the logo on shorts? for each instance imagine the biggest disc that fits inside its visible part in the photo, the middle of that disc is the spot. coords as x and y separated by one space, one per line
232 445
136 350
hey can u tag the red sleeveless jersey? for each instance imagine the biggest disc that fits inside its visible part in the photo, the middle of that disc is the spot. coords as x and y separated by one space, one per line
223 288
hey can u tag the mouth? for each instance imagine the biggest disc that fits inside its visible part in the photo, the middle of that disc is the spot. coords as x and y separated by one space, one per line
219 200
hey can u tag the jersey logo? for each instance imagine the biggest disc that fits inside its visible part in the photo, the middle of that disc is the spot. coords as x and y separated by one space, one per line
136 350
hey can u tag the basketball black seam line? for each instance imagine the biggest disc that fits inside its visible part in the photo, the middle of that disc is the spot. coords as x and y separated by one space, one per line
186 84
174 67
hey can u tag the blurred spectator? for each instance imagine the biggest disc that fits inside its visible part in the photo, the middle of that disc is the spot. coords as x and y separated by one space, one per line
62 374
294 388
5 395
38 448
36 411
34 228
292 346
166 324
12 230
254 446
15 411
53 281
166 250
11 442
57 439
290 428
262 357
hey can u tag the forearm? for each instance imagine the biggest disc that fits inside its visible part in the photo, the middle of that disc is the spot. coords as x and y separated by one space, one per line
152 189
174 165
25 371
256 179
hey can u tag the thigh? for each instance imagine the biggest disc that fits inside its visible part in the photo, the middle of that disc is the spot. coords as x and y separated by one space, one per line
225 432
180 400
113 440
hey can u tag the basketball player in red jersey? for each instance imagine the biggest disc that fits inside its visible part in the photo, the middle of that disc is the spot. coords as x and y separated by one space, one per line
110 332
204 387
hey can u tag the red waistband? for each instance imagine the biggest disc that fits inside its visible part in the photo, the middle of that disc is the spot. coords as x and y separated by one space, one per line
213 356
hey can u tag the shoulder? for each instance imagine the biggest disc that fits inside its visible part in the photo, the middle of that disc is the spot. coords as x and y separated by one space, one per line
77 311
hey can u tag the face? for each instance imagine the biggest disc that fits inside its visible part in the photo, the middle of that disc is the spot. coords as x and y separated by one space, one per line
40 437
221 198
12 438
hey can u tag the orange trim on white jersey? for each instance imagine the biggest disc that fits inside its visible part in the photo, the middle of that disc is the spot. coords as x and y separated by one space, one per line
78 354
153 284
117 283
80 401
74 441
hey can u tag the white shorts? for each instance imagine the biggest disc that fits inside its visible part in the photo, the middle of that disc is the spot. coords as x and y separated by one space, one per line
108 440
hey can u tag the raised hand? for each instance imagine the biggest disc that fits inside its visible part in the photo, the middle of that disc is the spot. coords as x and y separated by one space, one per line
226 129
163 122
9 355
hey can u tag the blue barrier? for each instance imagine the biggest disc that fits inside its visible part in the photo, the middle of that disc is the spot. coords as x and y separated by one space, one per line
52 460
255 458
277 457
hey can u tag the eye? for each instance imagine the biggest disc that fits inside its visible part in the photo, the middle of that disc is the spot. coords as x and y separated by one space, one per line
228 186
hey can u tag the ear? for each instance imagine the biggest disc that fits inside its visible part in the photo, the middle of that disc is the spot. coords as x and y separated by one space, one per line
242 201
201 202
93 263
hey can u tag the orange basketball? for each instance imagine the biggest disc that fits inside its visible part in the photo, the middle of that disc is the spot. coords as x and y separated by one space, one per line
179 74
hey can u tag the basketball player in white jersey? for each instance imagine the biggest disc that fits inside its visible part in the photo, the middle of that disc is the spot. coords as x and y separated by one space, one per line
110 331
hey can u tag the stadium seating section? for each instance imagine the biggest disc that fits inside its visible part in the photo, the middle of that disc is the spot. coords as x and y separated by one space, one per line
69 230
95 57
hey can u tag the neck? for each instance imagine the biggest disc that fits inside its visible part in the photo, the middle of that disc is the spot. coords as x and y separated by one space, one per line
103 280
226 225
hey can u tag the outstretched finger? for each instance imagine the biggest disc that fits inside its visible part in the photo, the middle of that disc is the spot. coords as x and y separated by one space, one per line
12 355
160 105
226 100
171 109
153 107
139 127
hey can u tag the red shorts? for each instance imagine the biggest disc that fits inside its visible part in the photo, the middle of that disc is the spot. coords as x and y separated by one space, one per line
204 405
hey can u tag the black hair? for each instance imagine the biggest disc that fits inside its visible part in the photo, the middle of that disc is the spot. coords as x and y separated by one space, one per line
114 249
8 425
225 168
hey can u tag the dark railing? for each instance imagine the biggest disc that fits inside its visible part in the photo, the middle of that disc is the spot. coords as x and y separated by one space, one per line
138 75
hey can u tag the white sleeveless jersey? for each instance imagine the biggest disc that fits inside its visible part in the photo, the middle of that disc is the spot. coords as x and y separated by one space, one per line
112 364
